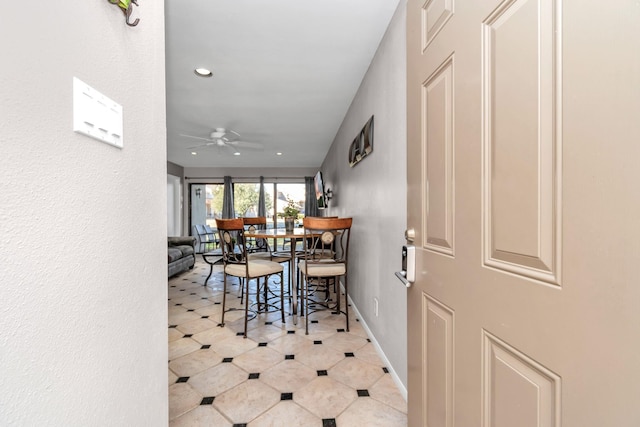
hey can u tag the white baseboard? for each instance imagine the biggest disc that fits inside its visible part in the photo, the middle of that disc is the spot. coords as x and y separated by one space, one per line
394 375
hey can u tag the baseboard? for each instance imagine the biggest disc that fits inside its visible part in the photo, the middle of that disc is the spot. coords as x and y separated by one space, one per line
394 375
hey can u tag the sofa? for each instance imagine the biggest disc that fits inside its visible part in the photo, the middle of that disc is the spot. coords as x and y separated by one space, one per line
182 254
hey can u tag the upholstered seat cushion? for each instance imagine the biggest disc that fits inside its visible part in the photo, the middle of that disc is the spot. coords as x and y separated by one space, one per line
257 268
323 269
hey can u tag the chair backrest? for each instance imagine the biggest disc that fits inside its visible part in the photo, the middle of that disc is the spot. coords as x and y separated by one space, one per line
231 233
211 233
329 239
258 221
200 230
252 224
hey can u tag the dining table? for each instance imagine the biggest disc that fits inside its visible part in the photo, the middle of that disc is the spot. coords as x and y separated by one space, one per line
297 233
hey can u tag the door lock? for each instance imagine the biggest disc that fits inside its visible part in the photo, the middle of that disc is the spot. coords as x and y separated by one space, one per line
408 274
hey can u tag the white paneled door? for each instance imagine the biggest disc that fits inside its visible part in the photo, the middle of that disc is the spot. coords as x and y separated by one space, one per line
524 194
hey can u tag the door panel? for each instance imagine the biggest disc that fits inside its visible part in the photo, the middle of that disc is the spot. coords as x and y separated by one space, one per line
521 141
438 151
523 130
438 375
513 381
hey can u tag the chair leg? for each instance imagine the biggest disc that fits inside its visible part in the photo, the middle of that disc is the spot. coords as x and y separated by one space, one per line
246 308
282 295
346 299
337 291
266 289
224 298
306 302
209 276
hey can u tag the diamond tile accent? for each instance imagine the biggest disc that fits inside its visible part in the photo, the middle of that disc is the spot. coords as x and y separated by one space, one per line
207 400
363 393
227 360
182 380
322 373
289 357
286 396
329 422
254 376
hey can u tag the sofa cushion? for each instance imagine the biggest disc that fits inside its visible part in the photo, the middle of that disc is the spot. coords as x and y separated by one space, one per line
186 250
175 253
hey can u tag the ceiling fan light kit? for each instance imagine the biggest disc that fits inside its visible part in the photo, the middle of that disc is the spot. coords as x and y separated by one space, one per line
221 137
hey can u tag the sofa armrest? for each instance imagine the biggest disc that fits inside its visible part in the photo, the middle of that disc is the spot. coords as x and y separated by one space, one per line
182 240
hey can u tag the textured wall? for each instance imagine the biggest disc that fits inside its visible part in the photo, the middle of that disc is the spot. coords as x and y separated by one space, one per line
373 192
82 224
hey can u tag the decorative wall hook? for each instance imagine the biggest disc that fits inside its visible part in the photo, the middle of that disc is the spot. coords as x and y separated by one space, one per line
127 8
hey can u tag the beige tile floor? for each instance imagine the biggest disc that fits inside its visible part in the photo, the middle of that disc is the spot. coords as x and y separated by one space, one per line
277 376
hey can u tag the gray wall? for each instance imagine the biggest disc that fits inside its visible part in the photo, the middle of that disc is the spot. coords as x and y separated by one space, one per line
83 282
373 192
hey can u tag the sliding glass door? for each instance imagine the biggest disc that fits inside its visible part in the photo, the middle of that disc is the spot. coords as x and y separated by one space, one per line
206 201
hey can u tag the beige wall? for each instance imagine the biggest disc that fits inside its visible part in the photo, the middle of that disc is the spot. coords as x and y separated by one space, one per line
373 192
83 334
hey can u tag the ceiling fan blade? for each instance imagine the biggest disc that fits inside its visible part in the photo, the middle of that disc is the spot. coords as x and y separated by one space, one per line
245 144
208 144
196 137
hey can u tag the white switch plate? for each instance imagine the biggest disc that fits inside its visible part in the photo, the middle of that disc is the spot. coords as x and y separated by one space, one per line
95 115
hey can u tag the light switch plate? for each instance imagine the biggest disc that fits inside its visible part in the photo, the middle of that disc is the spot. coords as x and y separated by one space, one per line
95 115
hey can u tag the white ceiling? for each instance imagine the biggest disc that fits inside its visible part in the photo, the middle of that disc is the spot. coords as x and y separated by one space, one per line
284 75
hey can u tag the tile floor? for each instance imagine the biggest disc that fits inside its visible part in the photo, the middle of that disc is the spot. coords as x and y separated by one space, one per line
277 376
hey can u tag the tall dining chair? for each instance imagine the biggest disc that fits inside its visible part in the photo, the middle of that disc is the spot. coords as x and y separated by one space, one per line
325 261
255 245
237 263
259 248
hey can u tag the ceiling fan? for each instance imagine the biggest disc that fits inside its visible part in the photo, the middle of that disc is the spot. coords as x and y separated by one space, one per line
222 137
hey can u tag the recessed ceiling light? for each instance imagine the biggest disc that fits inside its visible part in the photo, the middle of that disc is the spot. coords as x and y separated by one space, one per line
278 154
236 153
194 153
203 72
